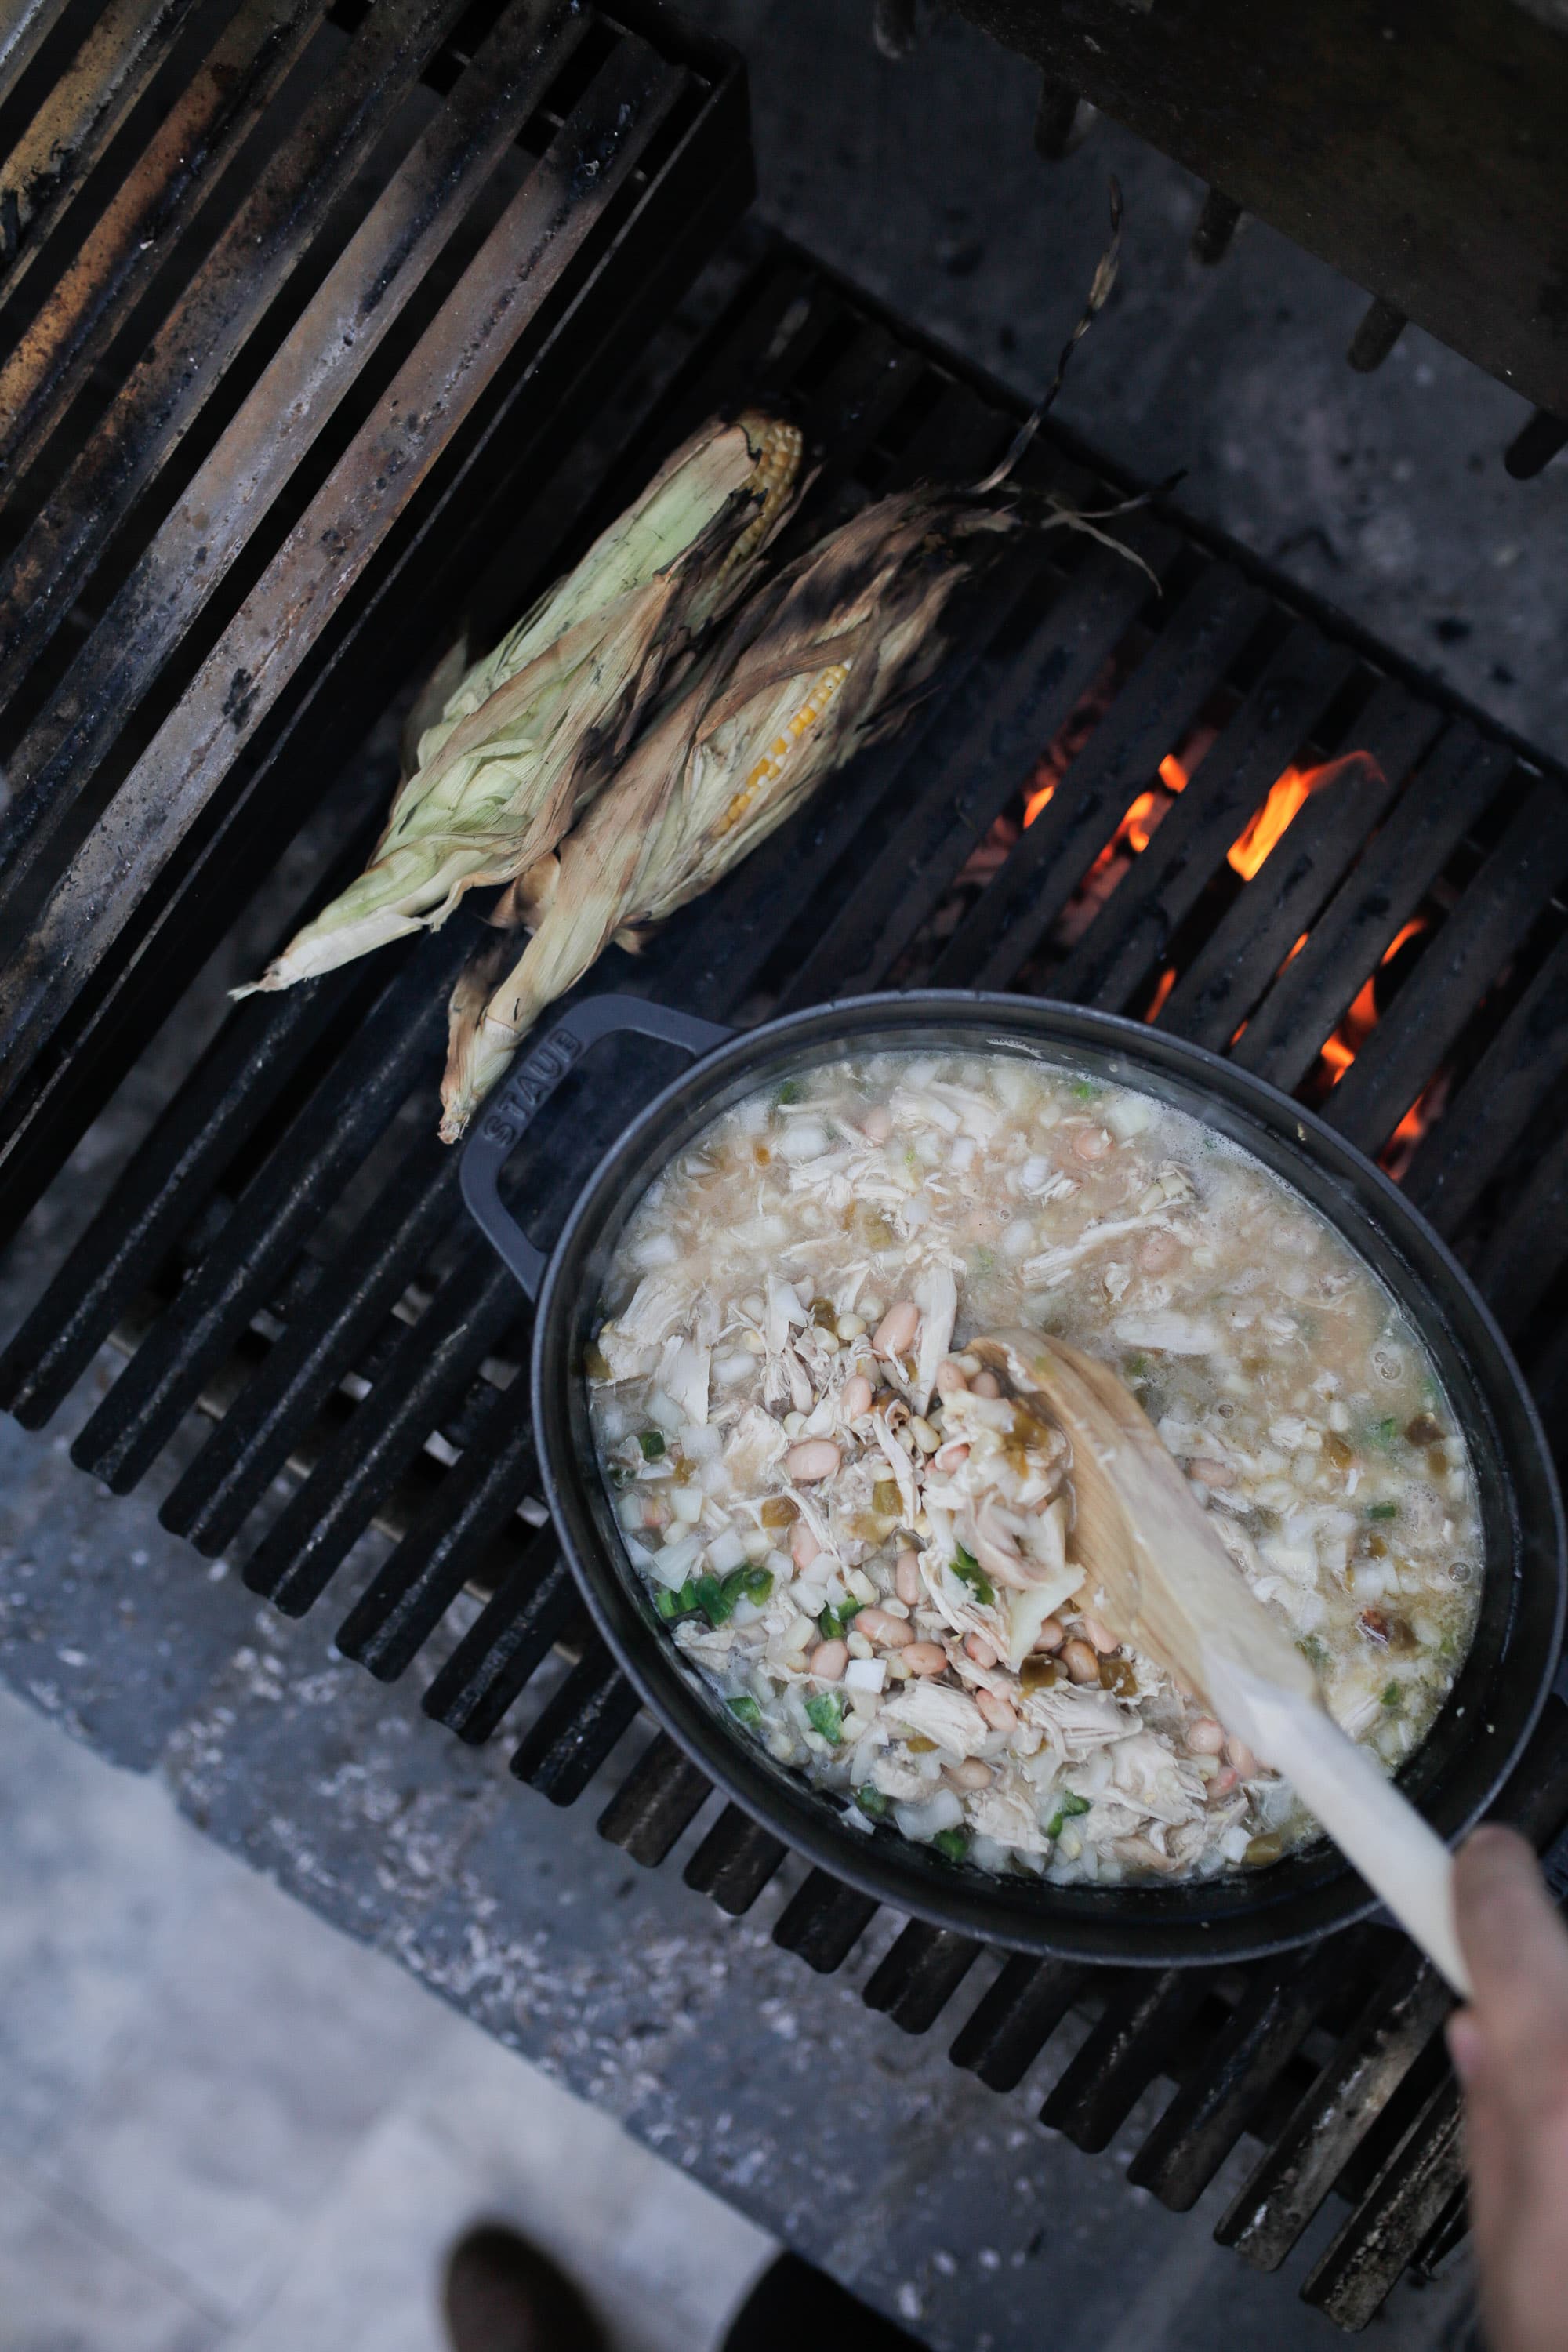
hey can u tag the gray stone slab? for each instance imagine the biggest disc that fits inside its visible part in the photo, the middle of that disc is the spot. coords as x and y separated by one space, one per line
67 2286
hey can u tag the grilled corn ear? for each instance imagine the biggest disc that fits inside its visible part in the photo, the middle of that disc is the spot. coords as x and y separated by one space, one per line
823 660
531 732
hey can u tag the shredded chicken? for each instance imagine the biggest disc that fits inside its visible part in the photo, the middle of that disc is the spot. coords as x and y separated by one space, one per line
865 1545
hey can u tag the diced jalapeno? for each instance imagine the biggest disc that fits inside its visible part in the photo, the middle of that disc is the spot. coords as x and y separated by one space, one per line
825 1713
746 1710
872 1802
953 1843
1072 1803
717 1605
652 1443
968 1571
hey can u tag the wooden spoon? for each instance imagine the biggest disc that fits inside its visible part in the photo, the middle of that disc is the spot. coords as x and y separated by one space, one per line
1160 1578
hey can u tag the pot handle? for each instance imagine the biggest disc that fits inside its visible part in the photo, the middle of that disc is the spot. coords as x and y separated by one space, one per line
529 1087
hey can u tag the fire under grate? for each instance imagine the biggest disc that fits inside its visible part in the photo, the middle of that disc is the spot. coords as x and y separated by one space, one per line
1084 808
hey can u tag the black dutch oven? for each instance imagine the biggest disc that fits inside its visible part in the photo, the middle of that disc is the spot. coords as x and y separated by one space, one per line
1476 1739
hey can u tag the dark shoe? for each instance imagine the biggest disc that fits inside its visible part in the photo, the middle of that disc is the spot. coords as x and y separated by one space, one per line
502 2295
793 2304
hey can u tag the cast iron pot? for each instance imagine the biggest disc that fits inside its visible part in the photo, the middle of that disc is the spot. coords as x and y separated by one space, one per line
1454 1774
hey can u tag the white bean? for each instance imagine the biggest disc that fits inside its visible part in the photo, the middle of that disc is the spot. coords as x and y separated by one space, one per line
813 1459
829 1660
950 1379
895 1333
857 1397
999 1714
1080 1662
925 1658
803 1546
1204 1737
907 1578
877 1625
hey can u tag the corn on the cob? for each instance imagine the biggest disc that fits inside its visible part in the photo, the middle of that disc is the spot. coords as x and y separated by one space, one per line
824 659
531 731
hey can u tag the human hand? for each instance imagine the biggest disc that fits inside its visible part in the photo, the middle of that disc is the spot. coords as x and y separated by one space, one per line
1510 2050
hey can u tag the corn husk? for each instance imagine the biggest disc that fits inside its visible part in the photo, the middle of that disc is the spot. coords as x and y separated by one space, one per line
531 732
822 661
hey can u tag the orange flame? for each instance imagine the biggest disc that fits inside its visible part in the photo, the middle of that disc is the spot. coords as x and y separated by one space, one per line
1341 1050
1287 797
1037 801
1162 988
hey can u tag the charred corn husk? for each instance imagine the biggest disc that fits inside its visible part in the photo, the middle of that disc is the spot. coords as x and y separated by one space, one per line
820 662
531 732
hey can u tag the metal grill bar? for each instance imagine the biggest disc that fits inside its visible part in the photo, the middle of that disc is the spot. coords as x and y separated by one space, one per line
1211 2111
823 1922
1164 884
513 1635
1221 986
1449 791
263 244
1152 712
68 133
350 1303
656 1803
1415 2186
264 646
237 1083
273 1217
1511 889
473 1506
1527 1250
589 1715
197 137
735 1862
1285 2191
25 29
232 497
1146 2015
1522 1070
1016 2018
429 1371
1015 701
921 1974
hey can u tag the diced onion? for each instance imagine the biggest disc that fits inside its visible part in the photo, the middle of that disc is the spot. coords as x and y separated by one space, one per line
805 1139
656 1249
943 1811
686 1502
726 1553
675 1563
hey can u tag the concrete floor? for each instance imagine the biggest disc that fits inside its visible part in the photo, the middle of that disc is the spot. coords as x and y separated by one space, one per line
223 2124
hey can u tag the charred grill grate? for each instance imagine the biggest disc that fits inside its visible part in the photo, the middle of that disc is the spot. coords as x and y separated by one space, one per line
201 613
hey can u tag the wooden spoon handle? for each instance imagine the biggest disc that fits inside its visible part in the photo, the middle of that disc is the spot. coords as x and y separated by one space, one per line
1399 1855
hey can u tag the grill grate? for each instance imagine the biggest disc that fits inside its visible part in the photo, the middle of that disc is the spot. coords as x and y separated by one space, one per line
284 1250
